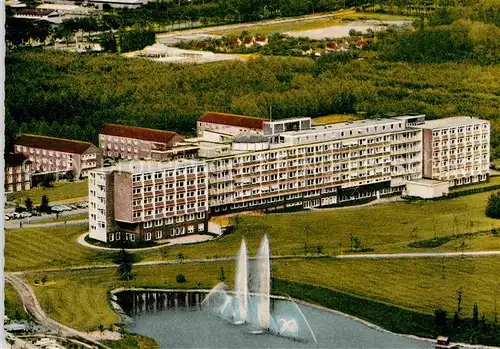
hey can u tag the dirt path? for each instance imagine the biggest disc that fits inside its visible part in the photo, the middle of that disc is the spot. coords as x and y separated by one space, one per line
33 308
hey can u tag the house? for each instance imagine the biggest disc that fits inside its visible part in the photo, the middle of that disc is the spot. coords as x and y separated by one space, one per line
130 142
248 41
17 173
261 40
58 156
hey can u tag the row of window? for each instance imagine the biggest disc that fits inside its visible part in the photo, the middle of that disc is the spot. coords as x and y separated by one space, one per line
452 131
168 173
169 209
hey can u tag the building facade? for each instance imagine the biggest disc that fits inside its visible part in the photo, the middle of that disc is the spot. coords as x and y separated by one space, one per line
456 150
148 201
291 164
136 143
17 173
50 155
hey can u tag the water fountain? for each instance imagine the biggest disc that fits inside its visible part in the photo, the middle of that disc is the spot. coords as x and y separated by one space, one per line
241 286
250 302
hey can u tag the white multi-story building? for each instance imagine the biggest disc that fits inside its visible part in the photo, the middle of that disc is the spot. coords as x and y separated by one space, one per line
456 150
290 164
148 201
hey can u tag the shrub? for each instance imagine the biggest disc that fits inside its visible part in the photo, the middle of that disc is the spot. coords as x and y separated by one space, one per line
493 206
180 278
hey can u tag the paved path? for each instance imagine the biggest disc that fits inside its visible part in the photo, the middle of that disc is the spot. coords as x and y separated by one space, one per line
15 223
477 254
188 239
33 308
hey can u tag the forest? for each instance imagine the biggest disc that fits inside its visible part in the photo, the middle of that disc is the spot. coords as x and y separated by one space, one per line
73 96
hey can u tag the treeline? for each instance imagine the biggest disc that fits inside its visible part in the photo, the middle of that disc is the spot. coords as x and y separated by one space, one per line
445 37
71 95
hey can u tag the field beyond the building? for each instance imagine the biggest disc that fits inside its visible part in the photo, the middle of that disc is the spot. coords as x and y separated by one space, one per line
61 191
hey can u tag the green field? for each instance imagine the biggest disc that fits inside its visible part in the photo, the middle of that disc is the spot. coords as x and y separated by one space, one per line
386 228
40 248
61 191
333 20
79 299
390 229
13 305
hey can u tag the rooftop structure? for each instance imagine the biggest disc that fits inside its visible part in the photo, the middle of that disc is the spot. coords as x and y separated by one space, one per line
130 142
450 122
52 143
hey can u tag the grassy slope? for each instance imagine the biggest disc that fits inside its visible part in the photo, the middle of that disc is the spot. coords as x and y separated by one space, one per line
79 298
59 192
385 228
390 229
36 248
13 305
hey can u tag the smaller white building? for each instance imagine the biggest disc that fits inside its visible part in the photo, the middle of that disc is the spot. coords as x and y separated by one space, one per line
426 188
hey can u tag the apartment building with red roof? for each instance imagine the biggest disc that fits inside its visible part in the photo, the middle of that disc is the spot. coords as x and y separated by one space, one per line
51 155
137 143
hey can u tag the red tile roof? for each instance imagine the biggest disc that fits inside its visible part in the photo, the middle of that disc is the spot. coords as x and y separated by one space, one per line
145 134
51 143
234 120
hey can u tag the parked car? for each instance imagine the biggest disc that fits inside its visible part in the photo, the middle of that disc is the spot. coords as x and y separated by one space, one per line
7 218
15 215
73 207
83 204
25 215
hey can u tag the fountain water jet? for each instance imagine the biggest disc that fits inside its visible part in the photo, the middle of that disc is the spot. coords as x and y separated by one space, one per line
250 302
241 285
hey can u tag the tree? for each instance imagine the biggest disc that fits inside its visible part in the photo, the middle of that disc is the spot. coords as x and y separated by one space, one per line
125 261
29 204
180 257
44 206
222 276
475 316
440 318
493 206
180 278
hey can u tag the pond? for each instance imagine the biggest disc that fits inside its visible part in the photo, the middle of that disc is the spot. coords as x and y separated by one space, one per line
192 327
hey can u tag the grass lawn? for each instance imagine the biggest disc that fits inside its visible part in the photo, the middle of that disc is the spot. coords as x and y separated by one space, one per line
334 118
39 248
386 228
79 299
13 304
333 20
61 191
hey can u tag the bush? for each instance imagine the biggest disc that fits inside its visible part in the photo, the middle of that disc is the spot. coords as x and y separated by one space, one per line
180 278
493 206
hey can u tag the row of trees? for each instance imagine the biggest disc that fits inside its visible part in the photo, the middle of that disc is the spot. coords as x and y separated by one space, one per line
448 37
75 95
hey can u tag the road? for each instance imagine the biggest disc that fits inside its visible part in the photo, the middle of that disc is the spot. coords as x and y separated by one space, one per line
32 307
28 222
172 37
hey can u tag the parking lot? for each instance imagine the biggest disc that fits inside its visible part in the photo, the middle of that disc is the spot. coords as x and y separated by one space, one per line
18 219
